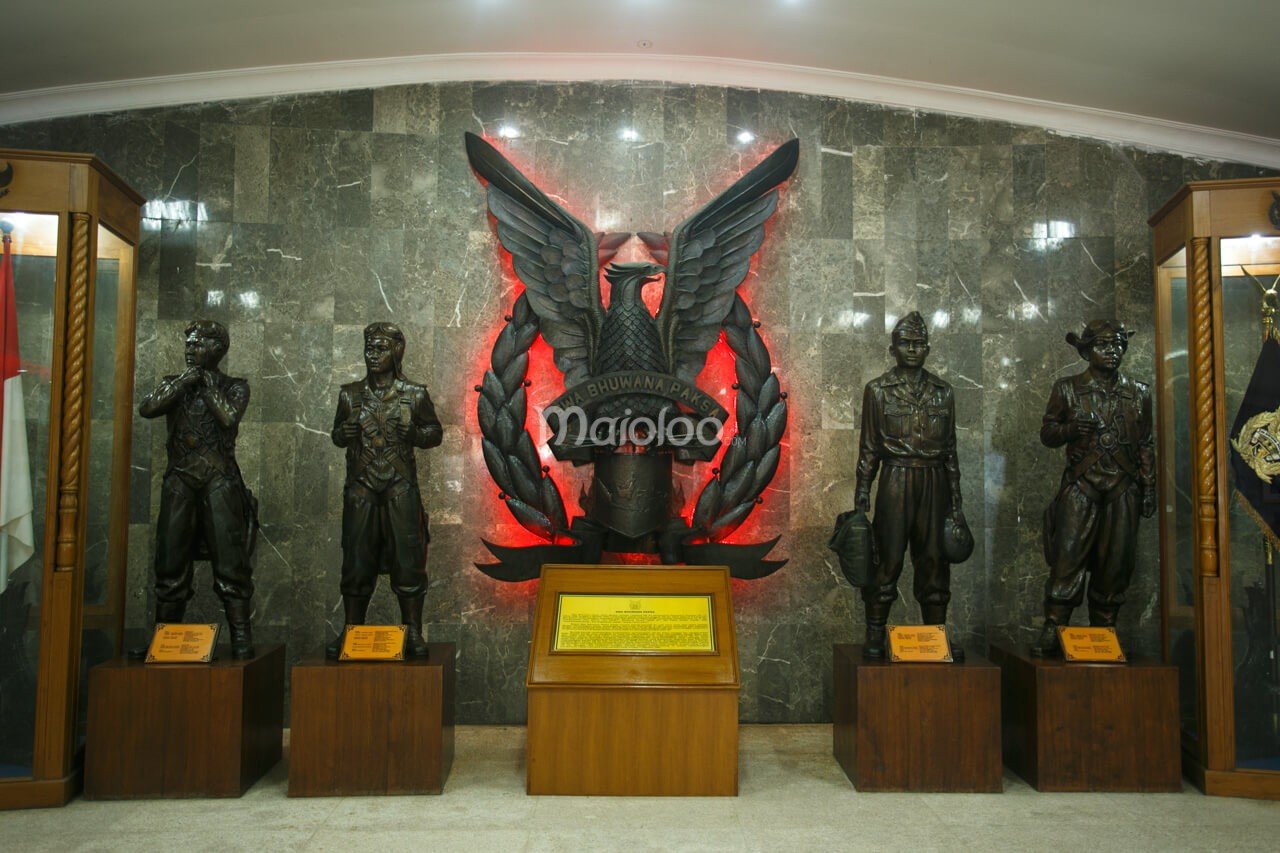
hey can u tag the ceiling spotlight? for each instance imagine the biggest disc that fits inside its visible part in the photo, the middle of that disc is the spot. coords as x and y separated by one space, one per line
628 134
508 132
644 44
746 136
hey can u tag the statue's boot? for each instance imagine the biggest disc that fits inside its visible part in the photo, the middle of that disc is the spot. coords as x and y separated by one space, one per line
877 617
936 614
167 612
1102 616
1047 643
411 615
238 610
354 610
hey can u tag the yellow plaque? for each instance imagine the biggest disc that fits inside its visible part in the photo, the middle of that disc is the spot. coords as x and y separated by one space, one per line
919 644
373 642
1091 645
634 624
183 643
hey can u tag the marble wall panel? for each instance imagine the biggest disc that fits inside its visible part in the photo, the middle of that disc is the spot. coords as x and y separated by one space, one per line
299 219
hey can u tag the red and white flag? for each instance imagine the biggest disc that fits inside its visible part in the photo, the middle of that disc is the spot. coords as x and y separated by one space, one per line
17 542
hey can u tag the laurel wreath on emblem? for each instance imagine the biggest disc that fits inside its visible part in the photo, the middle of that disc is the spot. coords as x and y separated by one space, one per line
531 494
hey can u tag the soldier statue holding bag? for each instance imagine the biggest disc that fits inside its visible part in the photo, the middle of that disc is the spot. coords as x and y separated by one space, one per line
909 430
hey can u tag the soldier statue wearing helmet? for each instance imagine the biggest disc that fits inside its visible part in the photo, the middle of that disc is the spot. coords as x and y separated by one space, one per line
380 420
909 429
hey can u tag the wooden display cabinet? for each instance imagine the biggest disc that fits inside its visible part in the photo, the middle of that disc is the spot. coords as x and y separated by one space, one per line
73 236
1210 242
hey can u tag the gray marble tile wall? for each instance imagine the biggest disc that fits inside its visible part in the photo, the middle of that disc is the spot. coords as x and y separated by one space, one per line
299 219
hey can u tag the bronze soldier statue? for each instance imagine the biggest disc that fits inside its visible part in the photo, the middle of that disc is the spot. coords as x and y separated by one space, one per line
1104 419
380 420
909 427
206 511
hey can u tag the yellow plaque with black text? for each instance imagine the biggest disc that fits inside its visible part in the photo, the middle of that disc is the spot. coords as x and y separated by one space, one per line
372 642
1090 645
634 624
919 644
183 643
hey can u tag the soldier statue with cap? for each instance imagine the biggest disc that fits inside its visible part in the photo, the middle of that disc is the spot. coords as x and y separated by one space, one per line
380 420
206 511
909 429
1091 528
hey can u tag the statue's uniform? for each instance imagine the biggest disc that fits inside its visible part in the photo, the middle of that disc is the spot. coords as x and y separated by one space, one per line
384 528
205 508
910 429
1092 524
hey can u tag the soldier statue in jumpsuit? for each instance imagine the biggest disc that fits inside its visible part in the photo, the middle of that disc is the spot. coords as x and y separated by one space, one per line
909 428
205 508
380 420
1104 419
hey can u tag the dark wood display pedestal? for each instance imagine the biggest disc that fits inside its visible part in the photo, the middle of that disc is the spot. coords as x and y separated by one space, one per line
1090 727
917 726
372 728
183 730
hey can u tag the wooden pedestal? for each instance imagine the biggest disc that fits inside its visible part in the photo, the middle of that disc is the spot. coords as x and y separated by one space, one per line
639 722
917 726
633 741
1090 727
372 728
183 730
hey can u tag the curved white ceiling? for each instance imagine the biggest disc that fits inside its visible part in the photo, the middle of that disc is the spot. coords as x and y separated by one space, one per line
1185 62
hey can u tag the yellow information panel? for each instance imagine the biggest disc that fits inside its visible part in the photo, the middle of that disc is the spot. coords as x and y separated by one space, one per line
1091 645
919 644
182 643
373 642
634 624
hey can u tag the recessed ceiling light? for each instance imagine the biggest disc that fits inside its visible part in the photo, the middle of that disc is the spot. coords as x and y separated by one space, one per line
508 132
629 134
746 136
644 44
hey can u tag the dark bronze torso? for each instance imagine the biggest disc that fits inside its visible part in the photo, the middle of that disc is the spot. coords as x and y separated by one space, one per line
380 457
198 446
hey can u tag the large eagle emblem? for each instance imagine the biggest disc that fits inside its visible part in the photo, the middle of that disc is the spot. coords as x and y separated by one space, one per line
631 404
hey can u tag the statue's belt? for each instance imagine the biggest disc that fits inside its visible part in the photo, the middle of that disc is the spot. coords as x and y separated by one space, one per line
912 462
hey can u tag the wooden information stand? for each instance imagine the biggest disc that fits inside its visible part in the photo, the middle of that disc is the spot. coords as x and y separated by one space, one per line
183 730
1090 727
917 726
383 727
634 693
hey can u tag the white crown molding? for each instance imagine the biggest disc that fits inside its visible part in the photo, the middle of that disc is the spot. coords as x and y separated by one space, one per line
1142 131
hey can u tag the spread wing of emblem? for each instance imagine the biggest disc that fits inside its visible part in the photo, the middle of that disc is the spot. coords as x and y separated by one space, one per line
708 256
555 255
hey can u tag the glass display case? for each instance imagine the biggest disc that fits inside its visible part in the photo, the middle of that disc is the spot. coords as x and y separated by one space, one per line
1216 246
70 234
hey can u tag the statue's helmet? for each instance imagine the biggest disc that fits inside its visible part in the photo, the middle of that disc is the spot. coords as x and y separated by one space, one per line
392 332
913 322
1097 330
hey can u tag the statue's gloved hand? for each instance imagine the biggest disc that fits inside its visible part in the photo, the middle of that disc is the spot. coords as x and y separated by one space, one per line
350 429
1148 502
404 429
1082 426
862 501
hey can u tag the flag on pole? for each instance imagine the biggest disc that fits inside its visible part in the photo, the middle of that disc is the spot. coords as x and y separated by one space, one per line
17 542
1255 443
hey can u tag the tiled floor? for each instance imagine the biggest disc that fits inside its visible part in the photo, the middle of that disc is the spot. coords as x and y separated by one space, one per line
793 797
